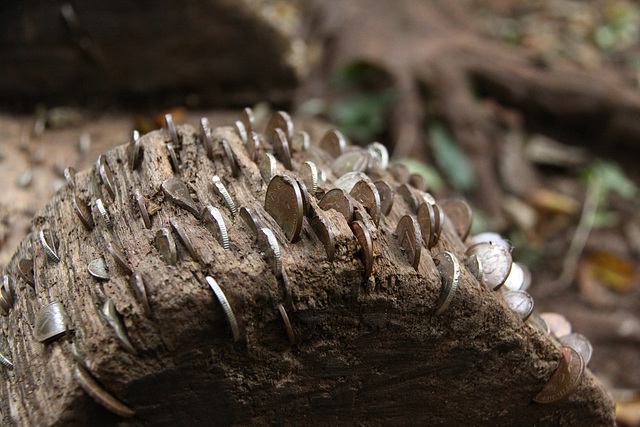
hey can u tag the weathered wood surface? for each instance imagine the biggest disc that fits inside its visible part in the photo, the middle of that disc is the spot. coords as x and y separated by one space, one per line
368 350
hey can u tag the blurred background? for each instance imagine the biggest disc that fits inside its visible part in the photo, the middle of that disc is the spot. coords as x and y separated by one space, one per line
529 110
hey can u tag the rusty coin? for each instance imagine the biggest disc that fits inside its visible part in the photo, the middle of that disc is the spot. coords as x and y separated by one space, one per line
333 142
366 193
496 262
283 202
83 212
460 214
565 379
322 228
338 200
386 193
363 234
409 237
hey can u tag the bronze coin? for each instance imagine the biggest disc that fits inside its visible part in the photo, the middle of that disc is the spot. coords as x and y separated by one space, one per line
439 222
427 222
386 193
142 207
322 228
83 212
337 199
408 195
231 158
363 217
25 270
283 202
281 147
175 165
409 237
247 119
418 182
70 176
287 324
333 142
166 246
366 193
251 219
565 378
178 193
306 204
363 234
184 237
280 120
253 145
399 172
460 214
119 256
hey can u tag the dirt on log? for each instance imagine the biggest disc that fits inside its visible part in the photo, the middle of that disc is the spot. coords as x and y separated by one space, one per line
365 350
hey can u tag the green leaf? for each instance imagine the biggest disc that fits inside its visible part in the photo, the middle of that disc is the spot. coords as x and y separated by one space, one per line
450 158
362 116
613 178
430 174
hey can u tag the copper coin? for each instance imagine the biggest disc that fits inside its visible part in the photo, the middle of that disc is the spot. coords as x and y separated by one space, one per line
247 120
108 179
281 147
427 222
580 343
333 142
558 324
363 217
306 204
178 193
353 161
251 219
287 324
140 291
280 120
283 202
175 165
565 379
408 195
363 235
231 158
449 269
460 214
366 193
166 246
253 145
135 150
409 237
418 182
185 239
520 302
496 262
337 199
171 128
25 270
399 172
119 256
386 193
322 228
70 176
142 207
83 212
438 215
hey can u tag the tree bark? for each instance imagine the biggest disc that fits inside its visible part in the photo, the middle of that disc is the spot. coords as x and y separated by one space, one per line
368 350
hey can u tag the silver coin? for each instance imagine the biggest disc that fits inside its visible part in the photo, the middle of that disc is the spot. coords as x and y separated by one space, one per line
449 269
99 394
301 141
474 265
540 324
268 167
183 234
253 145
579 343
334 143
166 246
520 302
70 176
519 278
460 214
178 193
309 175
49 244
247 119
496 262
251 220
115 321
281 147
142 207
353 161
52 321
558 324
102 210
6 362
98 269
348 180
140 291
171 128
226 307
221 190
241 131
380 154
135 150
491 237
204 135
212 217
119 256
272 250
173 157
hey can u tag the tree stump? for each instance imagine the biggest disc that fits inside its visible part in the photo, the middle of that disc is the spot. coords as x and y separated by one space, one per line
360 349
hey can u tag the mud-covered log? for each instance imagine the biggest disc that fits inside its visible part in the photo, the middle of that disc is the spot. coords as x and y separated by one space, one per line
361 349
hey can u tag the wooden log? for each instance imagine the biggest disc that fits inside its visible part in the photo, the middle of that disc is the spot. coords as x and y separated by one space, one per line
367 350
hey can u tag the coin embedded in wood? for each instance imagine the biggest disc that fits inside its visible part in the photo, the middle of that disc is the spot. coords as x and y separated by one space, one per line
460 214
241 131
322 229
558 324
226 307
334 143
173 157
178 193
427 222
352 161
135 150
140 291
496 262
309 175
491 237
449 269
386 193
185 239
283 202
363 235
287 324
102 210
474 265
25 270
98 269
540 324
565 379
281 147
253 145
271 249
83 212
337 199
348 180
108 179
119 256
280 120
6 362
231 158
171 128
409 237
204 135
306 204
407 194
438 215
70 176
520 302
49 244
221 190
366 193
399 172
212 217
251 220
52 321
247 120
379 153
166 246
580 343
418 182
519 278
99 394
115 321
268 167
301 141
142 207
